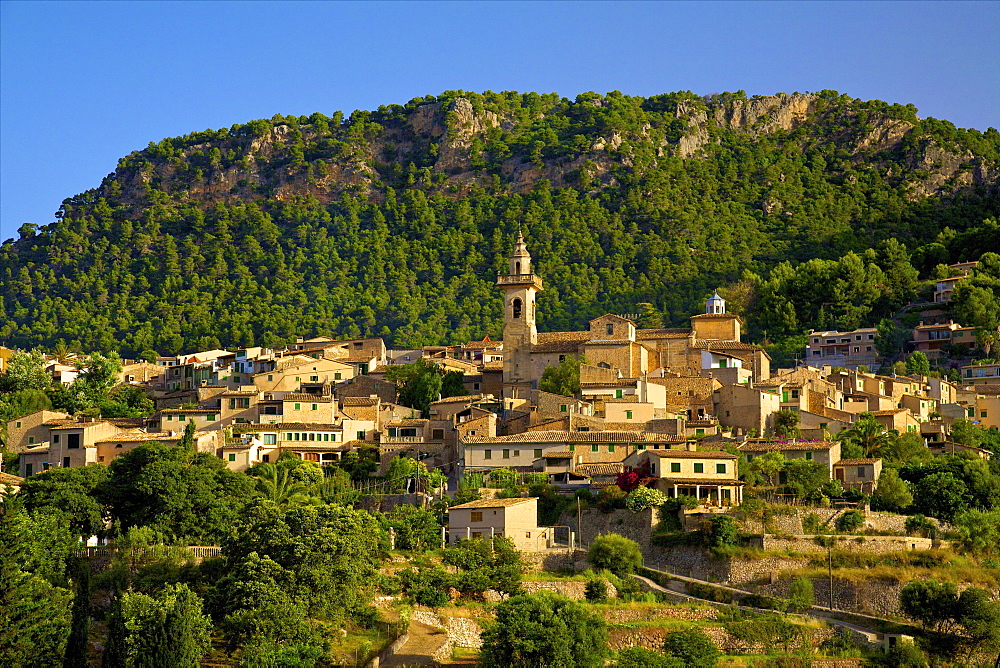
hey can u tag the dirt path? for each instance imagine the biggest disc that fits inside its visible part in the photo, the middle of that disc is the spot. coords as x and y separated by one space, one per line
418 650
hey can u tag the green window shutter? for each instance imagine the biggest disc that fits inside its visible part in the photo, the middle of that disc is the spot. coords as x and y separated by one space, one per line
210 417
618 394
675 467
314 406
538 453
361 435
593 448
628 415
336 375
720 468
182 418
809 456
699 468
232 457
784 395
572 447
611 447
298 407
699 432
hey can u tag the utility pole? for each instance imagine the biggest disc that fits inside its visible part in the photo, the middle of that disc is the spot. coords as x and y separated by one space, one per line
579 528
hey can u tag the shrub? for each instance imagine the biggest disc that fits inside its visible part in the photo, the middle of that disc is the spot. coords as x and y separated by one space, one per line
596 591
692 646
811 523
427 586
850 521
919 525
644 497
610 498
800 595
708 592
641 657
544 629
615 553
722 532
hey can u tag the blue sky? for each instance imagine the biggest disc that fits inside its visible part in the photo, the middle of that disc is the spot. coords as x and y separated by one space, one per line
85 83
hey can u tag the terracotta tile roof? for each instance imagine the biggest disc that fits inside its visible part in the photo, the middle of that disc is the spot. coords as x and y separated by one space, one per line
495 365
705 482
355 359
621 382
186 411
687 454
316 445
408 422
304 396
547 337
359 401
129 437
567 346
891 411
663 333
559 454
857 462
492 503
768 446
8 479
281 426
241 393
600 469
466 398
608 342
725 345
569 437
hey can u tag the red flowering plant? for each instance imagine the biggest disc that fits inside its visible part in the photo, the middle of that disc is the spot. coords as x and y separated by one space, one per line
630 478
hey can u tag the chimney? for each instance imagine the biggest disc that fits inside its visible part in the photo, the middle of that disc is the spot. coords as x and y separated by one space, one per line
692 446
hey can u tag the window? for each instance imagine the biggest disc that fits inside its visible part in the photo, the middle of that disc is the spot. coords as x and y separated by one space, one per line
487 454
562 358
31 439
181 418
517 453
516 308
337 375
562 408
477 516
699 432
699 468
270 376
298 407
313 379
593 448
314 407
506 453
823 425
982 414
857 338
18 425
861 471
538 453
210 417
628 415
795 394
66 462
809 456
437 434
270 439
361 435
297 379
27 467
572 447
610 329
857 349
408 431
618 394
73 440
611 447
675 467
55 438
232 456
720 468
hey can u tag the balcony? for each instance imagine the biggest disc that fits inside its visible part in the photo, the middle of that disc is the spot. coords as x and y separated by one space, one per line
519 279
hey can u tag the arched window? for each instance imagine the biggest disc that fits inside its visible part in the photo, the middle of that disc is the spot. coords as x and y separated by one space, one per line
517 308
517 267
604 365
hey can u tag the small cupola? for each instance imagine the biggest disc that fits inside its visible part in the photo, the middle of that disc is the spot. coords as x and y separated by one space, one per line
520 260
715 305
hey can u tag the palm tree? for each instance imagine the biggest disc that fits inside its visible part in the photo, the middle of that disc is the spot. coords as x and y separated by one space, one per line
869 434
276 484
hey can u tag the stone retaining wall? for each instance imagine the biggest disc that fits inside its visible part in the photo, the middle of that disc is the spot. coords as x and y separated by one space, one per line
849 543
593 523
552 560
652 637
574 589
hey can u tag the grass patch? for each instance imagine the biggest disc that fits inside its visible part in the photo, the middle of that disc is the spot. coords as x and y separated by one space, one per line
903 567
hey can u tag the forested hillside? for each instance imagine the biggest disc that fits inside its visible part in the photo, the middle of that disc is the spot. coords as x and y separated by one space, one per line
812 210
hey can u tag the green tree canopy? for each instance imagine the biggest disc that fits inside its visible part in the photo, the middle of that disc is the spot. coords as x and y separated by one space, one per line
616 553
563 379
544 629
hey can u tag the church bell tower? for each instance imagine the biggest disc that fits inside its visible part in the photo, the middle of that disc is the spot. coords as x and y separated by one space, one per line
519 287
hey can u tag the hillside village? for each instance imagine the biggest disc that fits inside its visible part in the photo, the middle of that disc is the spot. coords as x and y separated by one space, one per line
639 390
694 414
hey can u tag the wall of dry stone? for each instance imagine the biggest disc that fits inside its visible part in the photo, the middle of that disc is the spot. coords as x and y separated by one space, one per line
574 589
